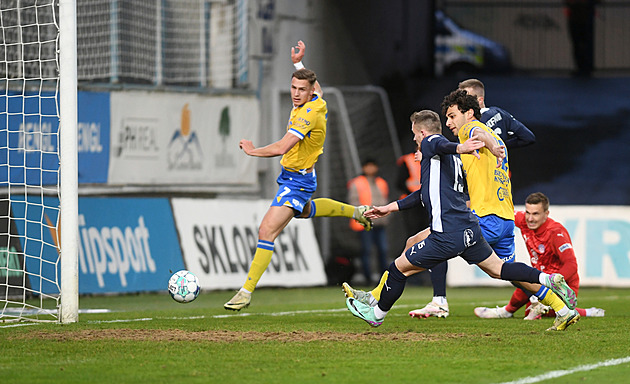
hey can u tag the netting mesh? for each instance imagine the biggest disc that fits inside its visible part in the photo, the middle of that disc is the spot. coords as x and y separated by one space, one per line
29 161
169 42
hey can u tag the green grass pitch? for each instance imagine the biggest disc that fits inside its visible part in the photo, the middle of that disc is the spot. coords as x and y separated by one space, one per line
307 335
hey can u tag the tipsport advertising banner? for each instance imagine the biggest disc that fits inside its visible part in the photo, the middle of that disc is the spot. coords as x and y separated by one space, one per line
601 241
30 138
125 244
218 240
166 138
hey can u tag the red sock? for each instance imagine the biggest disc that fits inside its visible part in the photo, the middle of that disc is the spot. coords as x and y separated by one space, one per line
518 299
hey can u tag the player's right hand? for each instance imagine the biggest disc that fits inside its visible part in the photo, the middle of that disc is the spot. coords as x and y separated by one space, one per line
297 52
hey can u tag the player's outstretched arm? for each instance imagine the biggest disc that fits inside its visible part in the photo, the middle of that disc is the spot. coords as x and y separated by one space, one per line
297 54
377 212
490 142
278 148
470 146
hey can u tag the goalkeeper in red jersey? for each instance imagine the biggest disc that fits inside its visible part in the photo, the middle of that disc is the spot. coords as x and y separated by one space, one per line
550 251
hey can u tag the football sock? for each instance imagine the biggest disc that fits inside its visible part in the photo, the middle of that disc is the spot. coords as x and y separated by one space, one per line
519 272
584 312
547 297
394 287
376 292
543 278
438 279
440 300
262 257
324 207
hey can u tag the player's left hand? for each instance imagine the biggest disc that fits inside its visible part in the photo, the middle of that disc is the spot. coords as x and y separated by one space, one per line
471 146
499 152
246 145
297 52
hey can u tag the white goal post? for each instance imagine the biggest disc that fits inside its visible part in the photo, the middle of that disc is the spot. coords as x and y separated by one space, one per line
38 161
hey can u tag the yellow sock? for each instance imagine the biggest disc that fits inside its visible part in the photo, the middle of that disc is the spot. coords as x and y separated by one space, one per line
262 257
552 300
376 292
331 208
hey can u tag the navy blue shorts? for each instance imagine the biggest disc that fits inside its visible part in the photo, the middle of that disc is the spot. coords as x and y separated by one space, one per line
295 190
441 246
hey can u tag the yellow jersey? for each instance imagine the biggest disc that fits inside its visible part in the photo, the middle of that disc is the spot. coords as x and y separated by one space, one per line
489 187
308 122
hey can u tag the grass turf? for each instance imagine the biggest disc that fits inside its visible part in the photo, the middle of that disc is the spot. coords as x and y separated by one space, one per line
307 336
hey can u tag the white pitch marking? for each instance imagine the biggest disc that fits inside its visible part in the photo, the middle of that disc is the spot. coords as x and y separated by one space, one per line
564 372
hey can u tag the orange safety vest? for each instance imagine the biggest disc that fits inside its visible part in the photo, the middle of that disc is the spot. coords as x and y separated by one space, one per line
413 181
365 194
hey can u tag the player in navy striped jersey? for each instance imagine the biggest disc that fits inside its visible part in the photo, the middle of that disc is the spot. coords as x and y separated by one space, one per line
513 133
454 229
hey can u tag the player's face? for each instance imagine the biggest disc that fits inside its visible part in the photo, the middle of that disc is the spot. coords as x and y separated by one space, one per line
535 215
455 119
301 91
417 135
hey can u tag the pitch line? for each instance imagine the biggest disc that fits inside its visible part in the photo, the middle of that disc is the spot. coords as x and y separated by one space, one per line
564 372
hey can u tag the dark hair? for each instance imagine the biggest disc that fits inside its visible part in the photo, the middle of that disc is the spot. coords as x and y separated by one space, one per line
369 160
464 102
538 198
305 74
429 119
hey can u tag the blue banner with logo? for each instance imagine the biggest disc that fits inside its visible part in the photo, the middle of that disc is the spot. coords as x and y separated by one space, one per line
29 138
125 244
93 139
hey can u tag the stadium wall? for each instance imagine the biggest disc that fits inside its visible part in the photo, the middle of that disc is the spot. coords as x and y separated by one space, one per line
601 241
132 244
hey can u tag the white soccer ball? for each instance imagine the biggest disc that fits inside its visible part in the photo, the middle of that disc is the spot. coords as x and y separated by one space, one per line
183 286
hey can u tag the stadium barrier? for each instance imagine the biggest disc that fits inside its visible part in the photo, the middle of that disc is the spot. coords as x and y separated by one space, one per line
601 241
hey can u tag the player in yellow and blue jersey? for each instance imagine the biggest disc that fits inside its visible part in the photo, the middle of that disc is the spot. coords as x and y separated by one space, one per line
300 148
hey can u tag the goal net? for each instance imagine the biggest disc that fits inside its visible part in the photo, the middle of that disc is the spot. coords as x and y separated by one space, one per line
30 178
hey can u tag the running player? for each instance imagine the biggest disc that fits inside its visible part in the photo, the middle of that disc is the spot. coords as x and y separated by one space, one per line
300 148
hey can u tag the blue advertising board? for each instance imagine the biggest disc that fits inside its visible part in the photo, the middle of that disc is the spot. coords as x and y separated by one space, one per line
29 137
125 244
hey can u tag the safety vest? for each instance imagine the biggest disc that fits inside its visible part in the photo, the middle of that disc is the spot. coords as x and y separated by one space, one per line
413 181
365 194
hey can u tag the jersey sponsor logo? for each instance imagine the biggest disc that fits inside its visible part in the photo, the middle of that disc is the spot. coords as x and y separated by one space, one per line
303 122
501 177
493 120
564 247
503 193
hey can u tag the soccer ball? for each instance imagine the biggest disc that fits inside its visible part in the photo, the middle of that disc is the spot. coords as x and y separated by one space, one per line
183 286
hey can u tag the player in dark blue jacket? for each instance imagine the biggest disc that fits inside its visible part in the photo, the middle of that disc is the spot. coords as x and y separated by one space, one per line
513 133
454 229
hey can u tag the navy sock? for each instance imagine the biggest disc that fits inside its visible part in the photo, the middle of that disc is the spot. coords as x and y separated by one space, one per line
393 288
438 279
525 291
519 272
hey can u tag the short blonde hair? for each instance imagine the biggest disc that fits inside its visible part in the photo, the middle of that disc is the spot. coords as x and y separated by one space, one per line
429 119
476 85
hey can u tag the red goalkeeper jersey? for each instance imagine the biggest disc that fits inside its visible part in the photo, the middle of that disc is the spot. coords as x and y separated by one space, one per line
550 248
